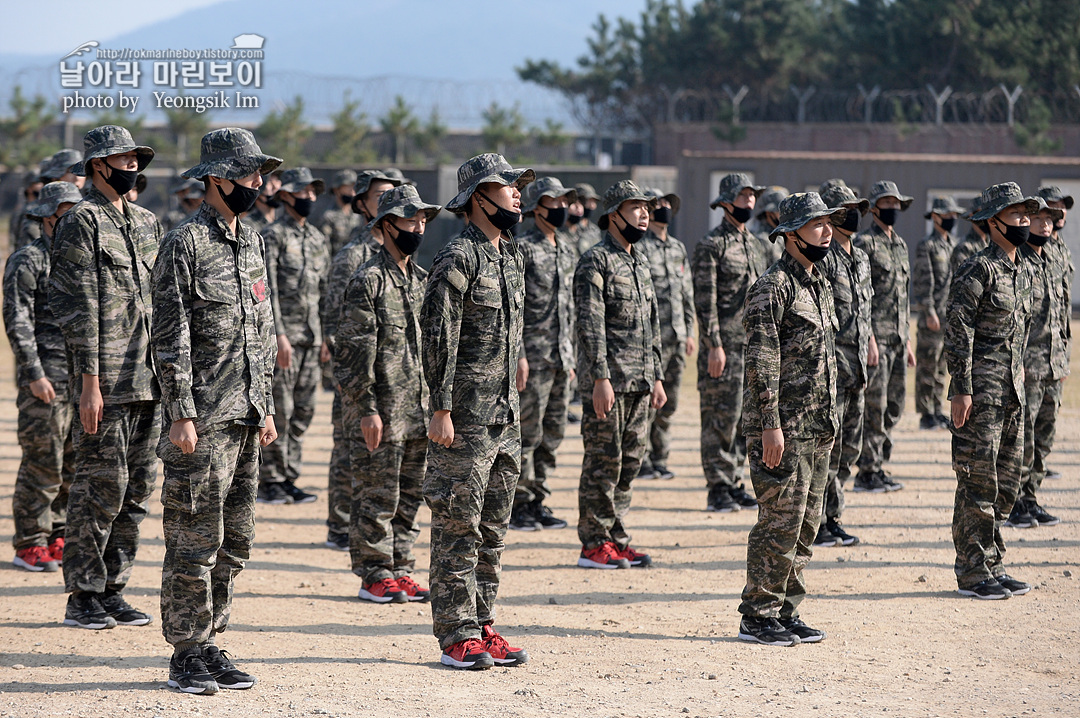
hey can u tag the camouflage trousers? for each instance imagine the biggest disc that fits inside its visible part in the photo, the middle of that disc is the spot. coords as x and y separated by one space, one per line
848 444
884 399
386 494
789 513
614 447
39 504
723 448
1040 426
987 452
930 371
470 491
209 524
660 419
115 474
543 425
294 402
340 494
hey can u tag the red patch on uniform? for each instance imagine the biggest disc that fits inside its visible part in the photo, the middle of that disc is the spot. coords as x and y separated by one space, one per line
259 288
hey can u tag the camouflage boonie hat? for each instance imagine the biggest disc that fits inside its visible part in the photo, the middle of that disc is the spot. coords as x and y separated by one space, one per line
364 179
621 191
342 178
770 200
545 187
109 140
673 199
943 204
185 184
1055 214
52 196
1050 193
403 201
999 196
799 208
488 167
231 153
395 173
296 179
836 193
976 205
887 188
58 165
730 187
586 191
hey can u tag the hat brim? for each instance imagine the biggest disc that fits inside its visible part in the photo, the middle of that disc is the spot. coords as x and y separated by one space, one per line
674 201
407 211
516 177
570 194
317 184
1030 203
957 211
729 197
234 168
905 201
143 154
862 203
834 214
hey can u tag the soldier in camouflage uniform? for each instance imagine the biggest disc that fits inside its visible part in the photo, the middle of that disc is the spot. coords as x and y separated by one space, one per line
725 264
189 197
973 242
619 358
768 216
583 230
214 344
930 280
549 257
39 503
669 268
265 211
472 319
885 389
789 419
55 168
985 329
1045 364
297 270
847 268
19 223
102 256
363 244
384 400
338 223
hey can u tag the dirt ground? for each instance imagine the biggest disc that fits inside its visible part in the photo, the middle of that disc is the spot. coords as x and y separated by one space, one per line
639 642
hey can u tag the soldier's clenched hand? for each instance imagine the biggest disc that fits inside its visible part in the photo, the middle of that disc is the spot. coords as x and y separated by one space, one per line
91 405
182 434
603 398
521 379
772 447
659 396
268 433
371 427
872 354
717 362
43 390
284 352
961 409
441 428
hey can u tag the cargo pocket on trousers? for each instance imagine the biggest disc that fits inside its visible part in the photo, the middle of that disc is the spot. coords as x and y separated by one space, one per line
188 486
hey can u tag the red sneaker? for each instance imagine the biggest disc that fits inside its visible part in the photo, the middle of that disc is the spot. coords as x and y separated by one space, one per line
384 591
35 558
636 558
413 590
501 651
606 555
468 654
56 548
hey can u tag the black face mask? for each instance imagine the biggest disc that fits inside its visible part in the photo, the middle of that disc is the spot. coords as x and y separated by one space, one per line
556 216
947 224
587 214
406 242
662 215
503 219
812 252
346 199
271 202
888 216
630 233
740 214
1016 236
122 181
574 219
241 199
303 205
851 221
1036 240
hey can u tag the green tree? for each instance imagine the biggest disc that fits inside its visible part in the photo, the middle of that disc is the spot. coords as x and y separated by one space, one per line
23 132
186 128
284 132
351 129
430 136
400 124
503 127
551 135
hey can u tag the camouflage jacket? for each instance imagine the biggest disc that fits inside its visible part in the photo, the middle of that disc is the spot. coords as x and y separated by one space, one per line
337 225
377 361
618 322
670 270
100 295
790 361
1062 270
585 235
356 252
889 277
966 248
931 276
548 315
35 335
213 326
297 269
985 327
726 263
471 317
1045 356
770 249
172 219
27 230
259 221
849 280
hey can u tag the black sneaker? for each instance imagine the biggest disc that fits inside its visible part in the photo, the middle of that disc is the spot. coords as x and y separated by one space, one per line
869 482
1041 515
521 519
743 499
1052 474
572 417
188 672
1020 517
800 629
272 494
825 538
943 421
224 672
841 535
1013 585
298 495
891 484
646 472
84 611
988 590
720 500
767 631
543 516
121 611
663 473
336 541
928 422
